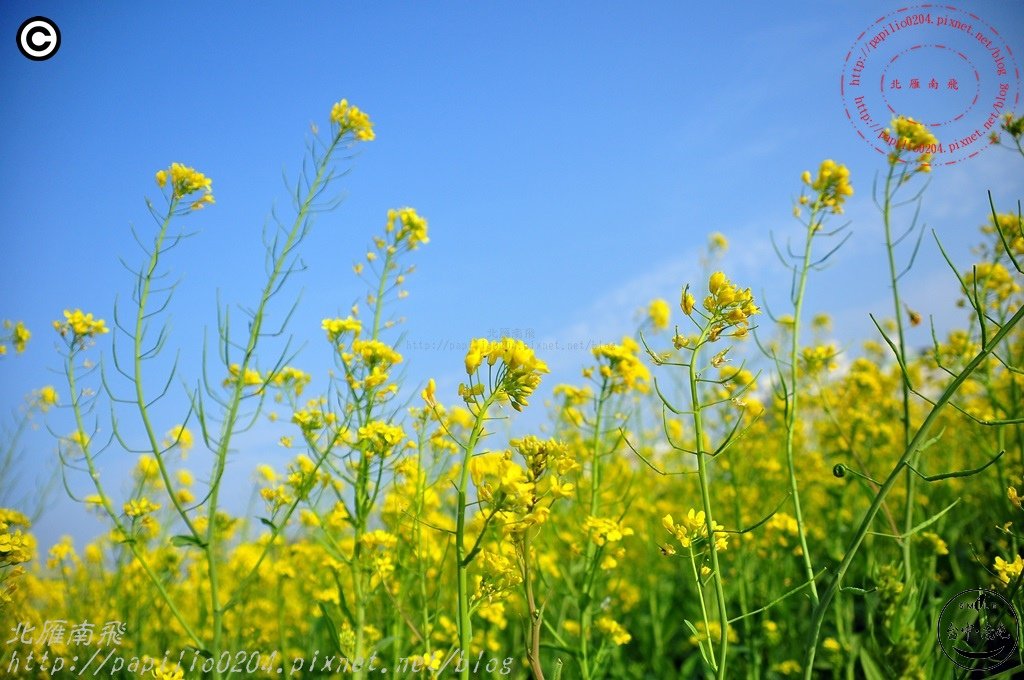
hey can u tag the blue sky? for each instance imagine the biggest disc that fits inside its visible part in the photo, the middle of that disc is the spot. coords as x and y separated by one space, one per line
571 159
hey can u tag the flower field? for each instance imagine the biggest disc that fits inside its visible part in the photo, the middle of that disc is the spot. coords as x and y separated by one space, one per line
725 493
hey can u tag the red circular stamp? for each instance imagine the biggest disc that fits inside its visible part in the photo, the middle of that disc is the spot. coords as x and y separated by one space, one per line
945 67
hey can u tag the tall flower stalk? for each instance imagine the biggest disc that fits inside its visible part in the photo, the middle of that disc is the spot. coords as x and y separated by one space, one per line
829 190
726 313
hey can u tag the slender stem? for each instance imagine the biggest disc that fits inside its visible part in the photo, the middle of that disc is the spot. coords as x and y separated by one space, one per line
535 614
105 502
703 606
145 284
227 429
910 481
461 560
705 493
792 403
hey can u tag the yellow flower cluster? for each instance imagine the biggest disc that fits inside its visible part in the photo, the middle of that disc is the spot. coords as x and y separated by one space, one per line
375 352
718 242
412 230
140 507
694 529
819 358
248 378
336 328
80 325
604 530
543 455
728 306
913 136
1012 227
379 438
500 575
291 378
350 118
1008 570
79 439
621 365
832 185
659 314
16 546
517 377
17 334
185 181
614 630
45 397
991 277
314 417
368 363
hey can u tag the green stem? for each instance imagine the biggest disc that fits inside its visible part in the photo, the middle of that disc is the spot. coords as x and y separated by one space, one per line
910 481
105 502
227 429
462 559
791 406
145 286
705 493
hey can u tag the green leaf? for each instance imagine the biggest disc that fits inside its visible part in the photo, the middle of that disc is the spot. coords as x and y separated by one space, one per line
871 670
185 541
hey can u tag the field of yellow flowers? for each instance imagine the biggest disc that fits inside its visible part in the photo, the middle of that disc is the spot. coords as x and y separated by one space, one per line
722 494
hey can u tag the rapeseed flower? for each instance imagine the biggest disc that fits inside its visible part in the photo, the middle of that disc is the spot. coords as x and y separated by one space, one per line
350 118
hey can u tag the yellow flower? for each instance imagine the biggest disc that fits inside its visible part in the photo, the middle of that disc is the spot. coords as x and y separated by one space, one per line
913 136
613 629
604 530
831 645
186 181
79 439
80 325
938 545
16 547
250 378
379 437
516 378
412 230
20 336
832 185
693 529
429 393
147 468
621 365
180 436
1008 570
46 397
336 328
1011 493
729 307
718 241
658 313
788 667
140 507
349 118
686 301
